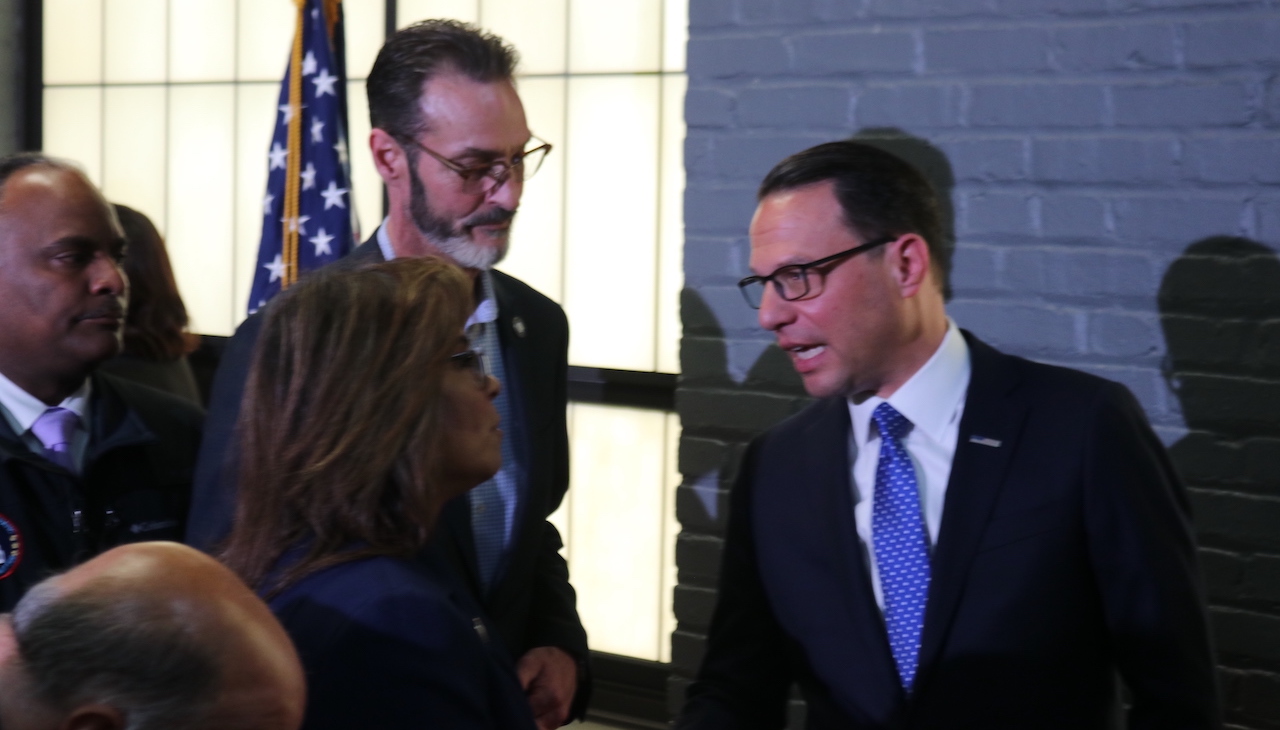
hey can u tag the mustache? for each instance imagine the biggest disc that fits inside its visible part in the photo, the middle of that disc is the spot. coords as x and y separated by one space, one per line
490 217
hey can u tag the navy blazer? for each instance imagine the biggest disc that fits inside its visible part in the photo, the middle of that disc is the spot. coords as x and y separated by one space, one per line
1065 556
385 643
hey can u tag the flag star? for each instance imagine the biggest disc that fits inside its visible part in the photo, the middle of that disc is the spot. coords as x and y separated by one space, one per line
321 242
298 224
317 130
324 83
309 63
276 267
308 176
286 112
278 155
341 148
315 14
266 204
333 195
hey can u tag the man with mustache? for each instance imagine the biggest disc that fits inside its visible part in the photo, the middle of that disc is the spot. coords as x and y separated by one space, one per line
87 461
452 145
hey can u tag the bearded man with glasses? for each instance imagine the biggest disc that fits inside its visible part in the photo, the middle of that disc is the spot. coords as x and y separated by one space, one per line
450 140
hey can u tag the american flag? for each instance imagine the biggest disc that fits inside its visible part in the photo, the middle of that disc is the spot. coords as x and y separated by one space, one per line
307 213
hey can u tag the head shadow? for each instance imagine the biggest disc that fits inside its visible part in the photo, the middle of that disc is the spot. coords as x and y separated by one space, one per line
1219 305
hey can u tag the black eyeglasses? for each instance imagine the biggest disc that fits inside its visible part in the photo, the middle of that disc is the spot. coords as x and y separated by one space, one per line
794 282
473 360
487 176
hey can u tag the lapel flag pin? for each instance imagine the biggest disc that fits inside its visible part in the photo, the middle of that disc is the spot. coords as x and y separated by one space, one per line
984 441
517 324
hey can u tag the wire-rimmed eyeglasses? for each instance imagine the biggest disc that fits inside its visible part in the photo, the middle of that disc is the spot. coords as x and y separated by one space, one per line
794 282
473 360
487 176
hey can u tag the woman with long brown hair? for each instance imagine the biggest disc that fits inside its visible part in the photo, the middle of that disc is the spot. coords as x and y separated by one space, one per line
364 412
156 340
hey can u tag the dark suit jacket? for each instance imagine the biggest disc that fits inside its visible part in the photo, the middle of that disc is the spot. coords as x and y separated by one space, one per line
532 604
1064 557
135 486
387 644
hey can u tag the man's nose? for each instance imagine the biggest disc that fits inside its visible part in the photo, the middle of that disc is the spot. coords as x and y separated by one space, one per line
774 311
506 194
107 276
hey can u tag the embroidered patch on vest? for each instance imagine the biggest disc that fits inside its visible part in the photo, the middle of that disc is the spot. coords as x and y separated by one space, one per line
10 547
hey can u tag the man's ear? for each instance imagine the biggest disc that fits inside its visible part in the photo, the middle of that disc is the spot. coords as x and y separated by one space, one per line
388 156
911 260
94 717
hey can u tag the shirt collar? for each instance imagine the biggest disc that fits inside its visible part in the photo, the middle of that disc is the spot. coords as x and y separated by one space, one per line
931 398
384 241
22 409
486 310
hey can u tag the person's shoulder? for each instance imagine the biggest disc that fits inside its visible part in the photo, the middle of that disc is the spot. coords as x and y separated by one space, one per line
157 408
1051 385
512 289
390 593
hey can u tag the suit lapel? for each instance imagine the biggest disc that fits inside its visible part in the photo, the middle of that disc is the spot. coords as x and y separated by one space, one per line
988 436
870 643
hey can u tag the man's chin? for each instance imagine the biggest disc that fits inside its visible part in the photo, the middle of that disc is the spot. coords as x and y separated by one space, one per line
470 253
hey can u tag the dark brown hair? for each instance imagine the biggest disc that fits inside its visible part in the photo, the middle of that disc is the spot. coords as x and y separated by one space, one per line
412 55
156 326
340 426
880 194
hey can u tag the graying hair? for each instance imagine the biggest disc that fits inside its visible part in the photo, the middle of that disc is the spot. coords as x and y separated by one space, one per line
105 645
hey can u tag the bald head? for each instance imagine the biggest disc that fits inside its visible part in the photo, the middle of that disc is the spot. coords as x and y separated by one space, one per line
148 635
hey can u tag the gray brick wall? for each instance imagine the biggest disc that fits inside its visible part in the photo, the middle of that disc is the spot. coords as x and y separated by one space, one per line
1113 167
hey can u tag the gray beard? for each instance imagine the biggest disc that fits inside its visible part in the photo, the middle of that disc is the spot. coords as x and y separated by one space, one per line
446 237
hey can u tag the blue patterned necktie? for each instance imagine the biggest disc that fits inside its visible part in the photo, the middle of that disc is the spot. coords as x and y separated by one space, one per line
901 543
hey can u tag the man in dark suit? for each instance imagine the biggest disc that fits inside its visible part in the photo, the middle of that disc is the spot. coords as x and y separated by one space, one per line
950 537
87 461
452 146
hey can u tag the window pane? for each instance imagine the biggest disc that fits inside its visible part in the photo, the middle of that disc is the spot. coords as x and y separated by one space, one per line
671 225
675 34
133 150
671 530
72 42
136 35
611 228
617 519
536 255
366 183
365 25
597 45
411 11
73 128
536 29
265 31
201 203
255 119
202 46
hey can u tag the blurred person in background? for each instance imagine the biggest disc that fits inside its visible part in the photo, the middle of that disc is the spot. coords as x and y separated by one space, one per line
365 410
156 340
148 636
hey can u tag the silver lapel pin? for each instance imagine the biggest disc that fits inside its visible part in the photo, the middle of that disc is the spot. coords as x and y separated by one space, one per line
984 441
517 324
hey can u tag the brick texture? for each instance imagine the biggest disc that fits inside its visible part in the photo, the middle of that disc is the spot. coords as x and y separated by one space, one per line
1112 166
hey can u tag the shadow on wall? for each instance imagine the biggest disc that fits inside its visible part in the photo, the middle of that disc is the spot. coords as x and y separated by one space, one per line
1220 310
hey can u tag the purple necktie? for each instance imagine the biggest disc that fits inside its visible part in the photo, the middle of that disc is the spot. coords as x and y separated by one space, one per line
54 428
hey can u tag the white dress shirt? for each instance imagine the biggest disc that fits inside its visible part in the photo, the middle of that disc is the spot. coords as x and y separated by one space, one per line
933 401
21 409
